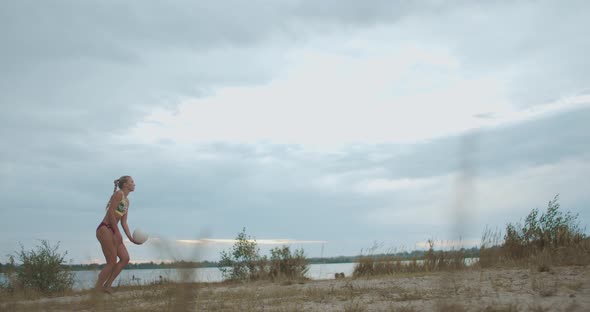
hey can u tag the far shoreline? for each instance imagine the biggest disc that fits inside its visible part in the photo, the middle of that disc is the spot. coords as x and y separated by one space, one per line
415 255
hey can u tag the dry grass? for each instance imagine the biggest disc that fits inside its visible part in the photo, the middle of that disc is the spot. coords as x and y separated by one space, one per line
545 239
402 309
499 289
450 307
433 261
511 307
544 284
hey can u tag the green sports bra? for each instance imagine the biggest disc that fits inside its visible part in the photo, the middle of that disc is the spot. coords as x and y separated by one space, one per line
121 208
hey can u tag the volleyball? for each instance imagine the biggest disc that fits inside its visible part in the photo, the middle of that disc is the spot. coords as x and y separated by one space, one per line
140 236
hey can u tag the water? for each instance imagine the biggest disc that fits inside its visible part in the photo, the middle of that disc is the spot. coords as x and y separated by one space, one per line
86 279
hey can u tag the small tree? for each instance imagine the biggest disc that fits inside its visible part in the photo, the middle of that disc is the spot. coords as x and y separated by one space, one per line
43 269
243 262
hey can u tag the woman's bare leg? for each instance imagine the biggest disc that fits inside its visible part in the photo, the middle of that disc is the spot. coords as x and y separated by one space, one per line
123 261
105 237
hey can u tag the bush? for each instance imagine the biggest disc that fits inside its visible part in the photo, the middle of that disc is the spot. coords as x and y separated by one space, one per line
43 269
243 262
552 231
284 264
9 270
545 239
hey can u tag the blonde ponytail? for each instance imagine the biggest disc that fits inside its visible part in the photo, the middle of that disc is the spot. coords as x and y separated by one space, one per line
116 182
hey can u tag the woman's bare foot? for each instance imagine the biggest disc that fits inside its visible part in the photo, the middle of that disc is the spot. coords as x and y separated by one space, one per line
108 290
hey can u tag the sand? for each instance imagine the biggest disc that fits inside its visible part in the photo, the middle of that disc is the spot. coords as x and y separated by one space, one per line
498 289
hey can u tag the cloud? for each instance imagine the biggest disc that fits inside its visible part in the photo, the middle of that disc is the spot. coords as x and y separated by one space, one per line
70 80
392 185
185 190
151 54
529 43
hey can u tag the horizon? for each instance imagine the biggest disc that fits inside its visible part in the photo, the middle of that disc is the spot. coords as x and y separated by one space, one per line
361 254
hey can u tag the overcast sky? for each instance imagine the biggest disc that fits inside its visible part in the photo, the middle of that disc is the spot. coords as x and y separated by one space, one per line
333 125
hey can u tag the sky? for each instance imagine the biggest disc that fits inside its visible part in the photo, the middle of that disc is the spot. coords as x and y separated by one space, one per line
339 127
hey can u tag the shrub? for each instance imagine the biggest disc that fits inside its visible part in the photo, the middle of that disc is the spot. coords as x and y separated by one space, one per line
284 264
551 237
43 269
243 262
490 251
10 282
552 230
365 266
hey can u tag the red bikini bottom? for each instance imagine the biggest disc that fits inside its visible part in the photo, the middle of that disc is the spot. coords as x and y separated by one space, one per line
107 225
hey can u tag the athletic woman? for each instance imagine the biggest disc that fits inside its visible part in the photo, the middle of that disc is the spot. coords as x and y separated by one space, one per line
110 237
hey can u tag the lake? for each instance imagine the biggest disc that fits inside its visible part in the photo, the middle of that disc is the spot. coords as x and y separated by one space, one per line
86 279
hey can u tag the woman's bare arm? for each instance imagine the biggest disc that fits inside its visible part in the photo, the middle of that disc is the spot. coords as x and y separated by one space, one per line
126 227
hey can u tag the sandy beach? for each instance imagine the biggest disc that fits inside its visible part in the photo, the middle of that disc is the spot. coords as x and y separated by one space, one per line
499 289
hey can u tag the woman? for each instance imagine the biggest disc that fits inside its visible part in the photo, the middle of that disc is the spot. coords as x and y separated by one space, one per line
110 237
